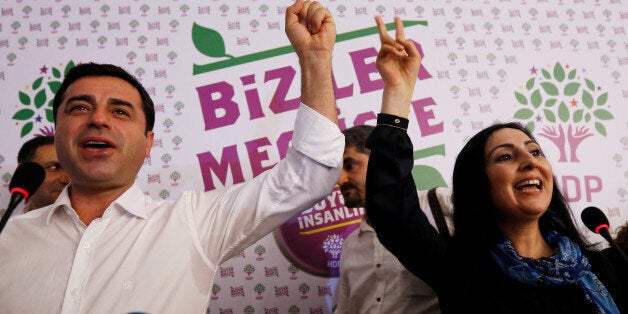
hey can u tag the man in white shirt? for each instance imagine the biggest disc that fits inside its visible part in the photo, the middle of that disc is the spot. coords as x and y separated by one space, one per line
41 150
371 279
112 249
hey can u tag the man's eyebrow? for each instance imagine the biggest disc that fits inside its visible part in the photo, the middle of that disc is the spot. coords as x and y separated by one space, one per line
86 98
120 102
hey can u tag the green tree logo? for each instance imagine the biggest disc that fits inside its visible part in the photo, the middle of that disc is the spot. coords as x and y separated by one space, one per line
565 106
36 100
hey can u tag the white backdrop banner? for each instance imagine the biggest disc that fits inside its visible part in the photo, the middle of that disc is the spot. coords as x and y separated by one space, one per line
225 82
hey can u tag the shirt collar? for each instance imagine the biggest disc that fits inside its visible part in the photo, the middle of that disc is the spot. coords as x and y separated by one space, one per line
364 227
133 201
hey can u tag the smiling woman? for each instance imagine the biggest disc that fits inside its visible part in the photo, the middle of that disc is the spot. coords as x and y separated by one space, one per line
515 245
515 249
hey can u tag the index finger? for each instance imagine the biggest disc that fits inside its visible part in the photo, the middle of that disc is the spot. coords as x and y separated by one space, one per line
400 35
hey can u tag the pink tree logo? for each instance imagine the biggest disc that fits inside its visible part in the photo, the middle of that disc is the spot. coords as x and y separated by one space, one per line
215 291
249 269
565 106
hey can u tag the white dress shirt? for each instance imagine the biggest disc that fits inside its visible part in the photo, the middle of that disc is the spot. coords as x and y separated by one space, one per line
372 280
157 256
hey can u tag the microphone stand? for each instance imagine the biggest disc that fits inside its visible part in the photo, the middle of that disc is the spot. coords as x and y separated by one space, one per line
607 236
16 198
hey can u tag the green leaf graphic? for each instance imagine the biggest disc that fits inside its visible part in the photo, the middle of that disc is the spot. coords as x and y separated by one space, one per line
37 83
531 126
571 89
49 116
587 117
550 88
551 102
40 98
260 55
24 98
600 128
536 98
56 73
603 114
530 83
549 115
427 177
68 67
601 101
522 99
563 112
27 128
578 115
546 74
559 72
572 74
54 86
208 42
587 99
523 114
23 114
590 84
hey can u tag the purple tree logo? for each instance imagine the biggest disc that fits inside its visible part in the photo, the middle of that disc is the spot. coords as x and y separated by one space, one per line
304 289
248 269
565 106
260 250
293 270
259 289
333 245
294 309
6 177
178 106
175 176
215 291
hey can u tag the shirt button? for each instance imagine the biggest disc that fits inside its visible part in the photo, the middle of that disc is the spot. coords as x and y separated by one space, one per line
127 285
87 245
73 292
378 299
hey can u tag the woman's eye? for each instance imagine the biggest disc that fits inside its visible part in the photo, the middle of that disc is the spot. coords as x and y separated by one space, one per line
121 112
504 157
537 152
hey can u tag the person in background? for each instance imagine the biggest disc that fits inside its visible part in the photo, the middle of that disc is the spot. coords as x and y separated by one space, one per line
371 279
622 238
41 150
516 248
113 249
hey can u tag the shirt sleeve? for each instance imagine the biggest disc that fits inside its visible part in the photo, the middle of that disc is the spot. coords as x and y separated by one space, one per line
392 203
228 221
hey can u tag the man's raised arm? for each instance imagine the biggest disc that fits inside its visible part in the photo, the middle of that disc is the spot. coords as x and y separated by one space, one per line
312 32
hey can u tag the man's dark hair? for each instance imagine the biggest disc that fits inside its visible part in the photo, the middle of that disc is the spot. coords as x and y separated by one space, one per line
356 137
95 69
29 148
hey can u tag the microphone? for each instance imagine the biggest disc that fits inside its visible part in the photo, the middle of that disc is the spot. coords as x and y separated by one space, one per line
25 181
597 222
